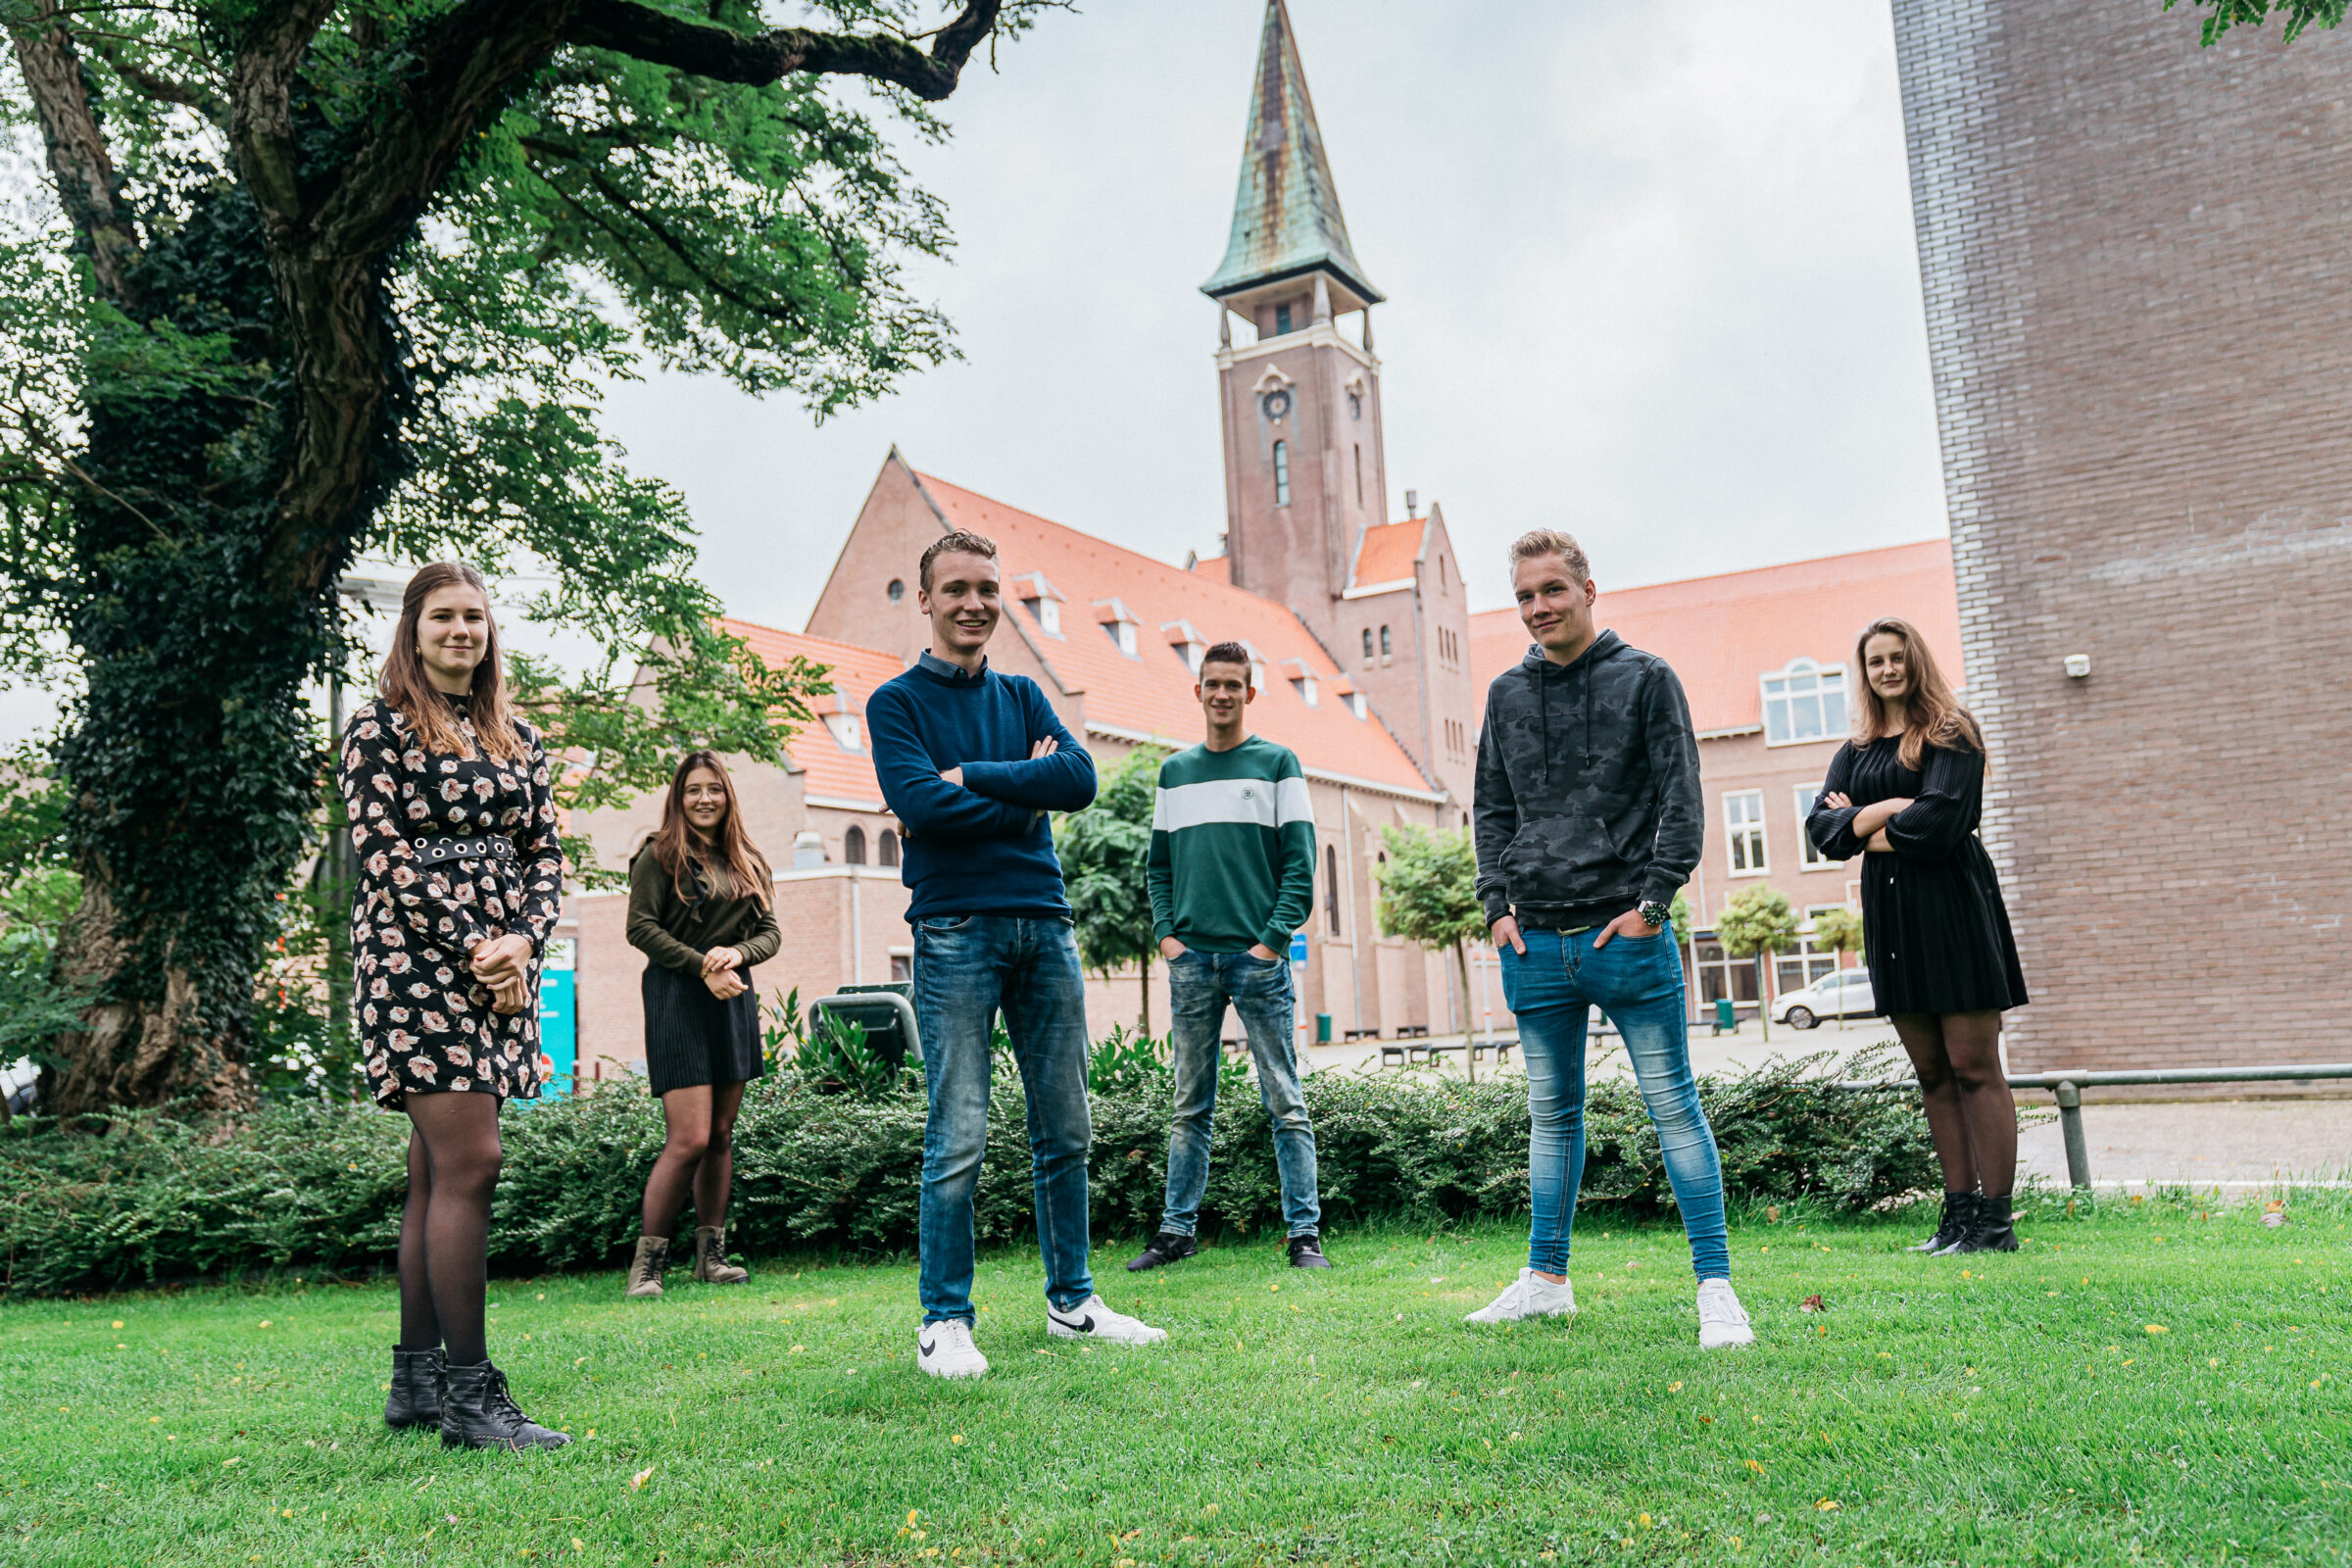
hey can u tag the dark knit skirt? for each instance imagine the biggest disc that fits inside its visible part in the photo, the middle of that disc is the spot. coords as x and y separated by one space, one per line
692 1038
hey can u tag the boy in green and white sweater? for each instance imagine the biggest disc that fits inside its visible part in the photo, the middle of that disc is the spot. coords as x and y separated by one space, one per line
1232 875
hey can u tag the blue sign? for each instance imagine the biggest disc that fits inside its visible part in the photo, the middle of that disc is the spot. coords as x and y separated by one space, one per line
559 1018
1298 948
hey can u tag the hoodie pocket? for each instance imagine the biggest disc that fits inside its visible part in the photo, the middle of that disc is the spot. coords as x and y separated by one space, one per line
1559 857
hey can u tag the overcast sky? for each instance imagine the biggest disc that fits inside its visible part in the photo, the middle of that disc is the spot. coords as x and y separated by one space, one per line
1649 269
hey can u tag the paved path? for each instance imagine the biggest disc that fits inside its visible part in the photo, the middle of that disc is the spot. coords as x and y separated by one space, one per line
2230 1142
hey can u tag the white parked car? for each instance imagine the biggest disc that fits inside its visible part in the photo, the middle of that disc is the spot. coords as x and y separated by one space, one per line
1839 993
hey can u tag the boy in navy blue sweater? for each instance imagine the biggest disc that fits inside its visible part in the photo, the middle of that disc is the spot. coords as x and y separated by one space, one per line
971 761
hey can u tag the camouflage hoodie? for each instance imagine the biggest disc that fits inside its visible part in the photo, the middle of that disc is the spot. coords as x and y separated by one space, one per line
1588 799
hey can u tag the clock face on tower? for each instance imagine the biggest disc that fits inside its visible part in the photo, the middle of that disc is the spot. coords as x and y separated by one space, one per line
1277 404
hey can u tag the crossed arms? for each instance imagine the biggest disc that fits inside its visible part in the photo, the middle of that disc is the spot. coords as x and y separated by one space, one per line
977 799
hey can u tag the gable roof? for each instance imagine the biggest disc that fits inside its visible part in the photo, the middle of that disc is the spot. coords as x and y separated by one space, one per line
828 769
1722 634
1387 553
1149 694
1286 211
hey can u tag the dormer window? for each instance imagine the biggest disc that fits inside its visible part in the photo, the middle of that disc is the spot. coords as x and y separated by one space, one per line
846 731
1304 686
1804 701
1185 642
1041 599
1303 680
1118 624
1357 706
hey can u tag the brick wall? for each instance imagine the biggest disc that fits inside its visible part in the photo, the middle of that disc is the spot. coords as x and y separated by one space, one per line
2134 257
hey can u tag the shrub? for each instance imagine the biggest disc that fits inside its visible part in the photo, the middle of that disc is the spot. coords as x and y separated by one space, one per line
320 1187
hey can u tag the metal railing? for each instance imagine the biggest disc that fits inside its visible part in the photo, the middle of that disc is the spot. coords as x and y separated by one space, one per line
2067 1087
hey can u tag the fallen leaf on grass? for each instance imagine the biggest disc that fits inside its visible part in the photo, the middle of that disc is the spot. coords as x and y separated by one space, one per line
1812 1304
638 1481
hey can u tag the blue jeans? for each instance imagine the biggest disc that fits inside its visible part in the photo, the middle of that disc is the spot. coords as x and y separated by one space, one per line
966 967
1637 982
1200 985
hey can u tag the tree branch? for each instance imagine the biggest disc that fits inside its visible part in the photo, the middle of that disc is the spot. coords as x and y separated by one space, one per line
755 60
78 157
260 115
158 86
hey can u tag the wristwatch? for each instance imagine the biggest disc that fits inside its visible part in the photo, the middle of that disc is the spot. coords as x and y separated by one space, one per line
1652 913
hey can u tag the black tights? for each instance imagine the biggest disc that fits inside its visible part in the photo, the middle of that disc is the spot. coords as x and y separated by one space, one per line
698 1154
1971 1113
445 1225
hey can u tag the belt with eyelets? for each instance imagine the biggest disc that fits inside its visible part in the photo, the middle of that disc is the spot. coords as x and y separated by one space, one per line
488 846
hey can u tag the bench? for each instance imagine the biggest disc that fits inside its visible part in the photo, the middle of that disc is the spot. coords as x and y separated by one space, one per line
1353 1035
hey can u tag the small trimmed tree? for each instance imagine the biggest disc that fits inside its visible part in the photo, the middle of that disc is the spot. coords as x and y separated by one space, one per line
1105 850
1838 930
1759 921
1429 895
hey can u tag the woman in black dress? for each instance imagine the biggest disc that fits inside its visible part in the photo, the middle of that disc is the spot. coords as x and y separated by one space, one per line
461 877
1906 795
700 908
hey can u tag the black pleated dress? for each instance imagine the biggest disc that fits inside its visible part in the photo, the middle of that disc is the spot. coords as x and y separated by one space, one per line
1935 931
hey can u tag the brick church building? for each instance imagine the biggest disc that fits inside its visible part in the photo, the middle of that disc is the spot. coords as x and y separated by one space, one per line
1368 661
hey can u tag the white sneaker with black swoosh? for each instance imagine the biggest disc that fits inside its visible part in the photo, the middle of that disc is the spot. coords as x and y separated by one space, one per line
1090 1319
945 1349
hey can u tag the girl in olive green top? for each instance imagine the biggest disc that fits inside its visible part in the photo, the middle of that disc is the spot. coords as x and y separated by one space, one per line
700 908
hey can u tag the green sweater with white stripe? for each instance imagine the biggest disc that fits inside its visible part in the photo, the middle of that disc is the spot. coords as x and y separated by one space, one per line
1233 847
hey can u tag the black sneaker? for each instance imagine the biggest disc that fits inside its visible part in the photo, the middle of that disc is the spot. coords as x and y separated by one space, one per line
1307 1252
1167 1247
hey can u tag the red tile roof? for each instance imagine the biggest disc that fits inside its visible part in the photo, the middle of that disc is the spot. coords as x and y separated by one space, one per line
830 769
1150 691
1216 568
1722 634
1387 553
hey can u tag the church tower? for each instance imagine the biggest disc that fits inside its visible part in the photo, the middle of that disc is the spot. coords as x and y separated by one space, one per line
1303 475
1306 473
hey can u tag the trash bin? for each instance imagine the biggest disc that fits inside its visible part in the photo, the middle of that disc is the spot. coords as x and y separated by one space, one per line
1322 1028
1727 1021
884 1021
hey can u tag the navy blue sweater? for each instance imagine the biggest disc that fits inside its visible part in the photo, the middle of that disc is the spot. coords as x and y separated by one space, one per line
984 846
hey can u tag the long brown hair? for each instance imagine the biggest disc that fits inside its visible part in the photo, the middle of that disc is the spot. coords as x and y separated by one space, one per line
405 685
1932 715
674 844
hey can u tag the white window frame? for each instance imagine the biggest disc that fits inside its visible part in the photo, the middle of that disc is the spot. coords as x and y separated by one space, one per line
1809 859
1775 688
1745 832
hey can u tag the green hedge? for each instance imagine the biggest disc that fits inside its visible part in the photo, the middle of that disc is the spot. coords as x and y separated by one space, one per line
153 1199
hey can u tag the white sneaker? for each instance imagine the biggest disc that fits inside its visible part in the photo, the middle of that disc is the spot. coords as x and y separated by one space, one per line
945 1349
1529 1295
1722 1320
1090 1319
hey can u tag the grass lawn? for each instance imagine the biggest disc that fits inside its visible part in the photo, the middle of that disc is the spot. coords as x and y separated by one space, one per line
2154 1384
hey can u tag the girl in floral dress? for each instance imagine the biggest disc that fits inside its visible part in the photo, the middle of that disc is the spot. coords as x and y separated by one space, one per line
461 878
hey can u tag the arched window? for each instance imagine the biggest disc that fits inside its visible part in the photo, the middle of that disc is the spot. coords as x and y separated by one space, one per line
887 852
1385 649
853 846
1282 474
1367 642
896 589
1804 701
1331 887
1359 467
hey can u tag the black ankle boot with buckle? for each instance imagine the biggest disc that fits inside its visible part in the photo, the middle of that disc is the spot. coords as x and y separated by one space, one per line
1993 1228
416 1397
477 1412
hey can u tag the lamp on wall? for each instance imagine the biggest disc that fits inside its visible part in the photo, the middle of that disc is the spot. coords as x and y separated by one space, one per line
2077 666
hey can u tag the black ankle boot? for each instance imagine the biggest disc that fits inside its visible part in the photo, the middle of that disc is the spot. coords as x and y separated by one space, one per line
415 1397
1958 1210
477 1413
1992 1229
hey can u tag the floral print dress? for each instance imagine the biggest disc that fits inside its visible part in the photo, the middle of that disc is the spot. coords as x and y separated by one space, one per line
425 1022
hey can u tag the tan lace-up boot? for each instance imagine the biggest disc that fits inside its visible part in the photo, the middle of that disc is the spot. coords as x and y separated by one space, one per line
711 1263
644 1270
